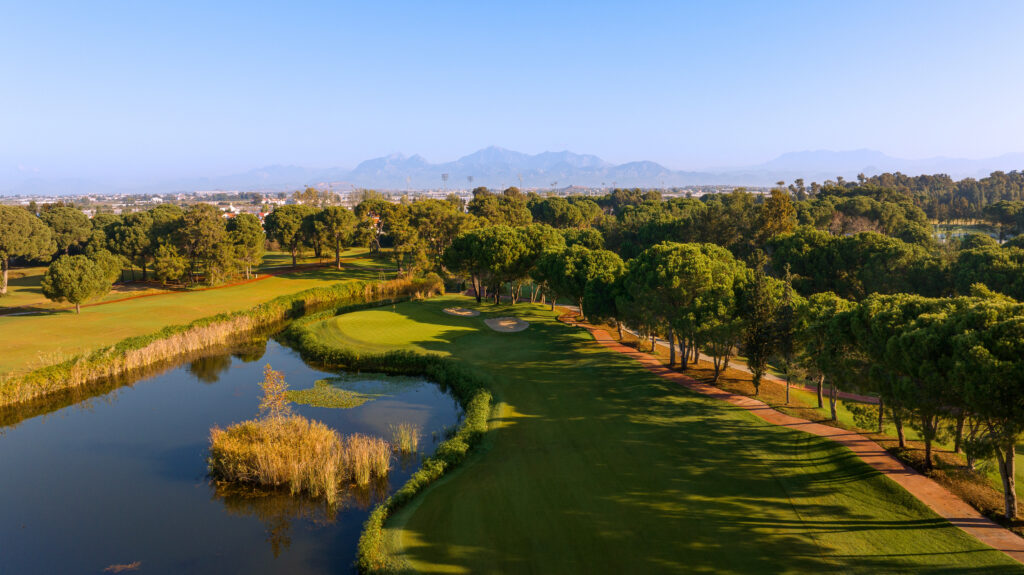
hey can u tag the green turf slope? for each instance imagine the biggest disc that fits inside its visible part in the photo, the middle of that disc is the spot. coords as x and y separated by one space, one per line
594 465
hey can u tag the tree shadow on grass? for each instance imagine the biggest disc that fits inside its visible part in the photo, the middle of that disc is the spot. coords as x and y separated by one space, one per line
604 467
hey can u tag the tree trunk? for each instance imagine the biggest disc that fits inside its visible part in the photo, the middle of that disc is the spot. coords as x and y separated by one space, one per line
618 324
671 348
337 257
881 415
1006 472
959 440
684 353
928 424
4 263
821 383
294 259
787 388
832 395
580 304
476 289
78 307
897 420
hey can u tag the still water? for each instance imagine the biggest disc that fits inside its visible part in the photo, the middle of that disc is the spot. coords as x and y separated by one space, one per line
118 482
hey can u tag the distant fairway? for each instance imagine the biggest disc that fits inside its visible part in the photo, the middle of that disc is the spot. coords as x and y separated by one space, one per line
596 465
30 341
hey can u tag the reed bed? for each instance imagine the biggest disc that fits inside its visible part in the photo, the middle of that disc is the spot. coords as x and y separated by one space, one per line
405 437
365 458
303 455
290 451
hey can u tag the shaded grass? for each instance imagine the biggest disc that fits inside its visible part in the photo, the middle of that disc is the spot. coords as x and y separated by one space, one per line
593 464
980 488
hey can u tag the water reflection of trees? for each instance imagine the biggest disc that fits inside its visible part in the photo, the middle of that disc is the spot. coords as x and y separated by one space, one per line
277 509
208 369
105 391
250 351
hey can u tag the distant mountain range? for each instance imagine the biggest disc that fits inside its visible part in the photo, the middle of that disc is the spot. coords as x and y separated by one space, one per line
498 168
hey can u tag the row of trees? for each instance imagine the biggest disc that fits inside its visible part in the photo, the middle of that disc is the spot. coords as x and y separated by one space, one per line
930 361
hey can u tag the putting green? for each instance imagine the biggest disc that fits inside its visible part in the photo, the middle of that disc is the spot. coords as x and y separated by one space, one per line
595 465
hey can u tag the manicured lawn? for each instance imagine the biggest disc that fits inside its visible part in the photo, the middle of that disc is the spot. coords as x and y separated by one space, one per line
595 465
30 341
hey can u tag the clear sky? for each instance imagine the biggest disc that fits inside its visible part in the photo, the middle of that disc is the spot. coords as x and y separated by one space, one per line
157 89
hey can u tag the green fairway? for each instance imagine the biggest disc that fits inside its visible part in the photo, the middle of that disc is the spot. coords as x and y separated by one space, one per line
31 341
595 465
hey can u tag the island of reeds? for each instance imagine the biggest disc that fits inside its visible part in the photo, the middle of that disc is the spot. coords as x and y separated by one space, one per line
284 450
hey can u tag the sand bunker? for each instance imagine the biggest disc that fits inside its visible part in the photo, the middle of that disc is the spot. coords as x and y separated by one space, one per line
506 324
461 311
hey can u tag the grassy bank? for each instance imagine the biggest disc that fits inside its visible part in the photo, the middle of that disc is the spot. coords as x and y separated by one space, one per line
595 465
53 335
136 353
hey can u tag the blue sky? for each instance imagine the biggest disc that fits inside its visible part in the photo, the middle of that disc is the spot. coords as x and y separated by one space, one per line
145 89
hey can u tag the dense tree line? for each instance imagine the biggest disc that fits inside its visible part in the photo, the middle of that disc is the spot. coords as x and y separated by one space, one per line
997 198
848 291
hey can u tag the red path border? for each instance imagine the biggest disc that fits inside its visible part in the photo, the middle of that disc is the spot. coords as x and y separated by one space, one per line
938 498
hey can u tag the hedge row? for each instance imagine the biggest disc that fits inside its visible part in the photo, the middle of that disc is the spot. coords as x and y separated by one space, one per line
136 353
468 389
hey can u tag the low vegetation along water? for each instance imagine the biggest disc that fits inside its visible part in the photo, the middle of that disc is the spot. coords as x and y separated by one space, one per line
120 481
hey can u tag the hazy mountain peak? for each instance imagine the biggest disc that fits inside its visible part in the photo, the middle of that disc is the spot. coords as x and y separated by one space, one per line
498 167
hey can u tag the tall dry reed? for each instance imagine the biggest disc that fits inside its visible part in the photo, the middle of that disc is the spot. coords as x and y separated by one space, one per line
366 457
291 451
305 456
405 437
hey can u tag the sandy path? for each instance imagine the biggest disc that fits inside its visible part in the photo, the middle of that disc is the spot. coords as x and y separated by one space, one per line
938 498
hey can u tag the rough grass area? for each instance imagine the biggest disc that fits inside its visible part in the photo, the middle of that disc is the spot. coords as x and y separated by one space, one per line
595 465
305 456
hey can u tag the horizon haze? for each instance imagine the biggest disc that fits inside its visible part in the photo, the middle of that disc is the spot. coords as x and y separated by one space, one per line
136 97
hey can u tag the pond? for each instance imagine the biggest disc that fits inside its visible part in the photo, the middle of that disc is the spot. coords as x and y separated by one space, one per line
118 483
